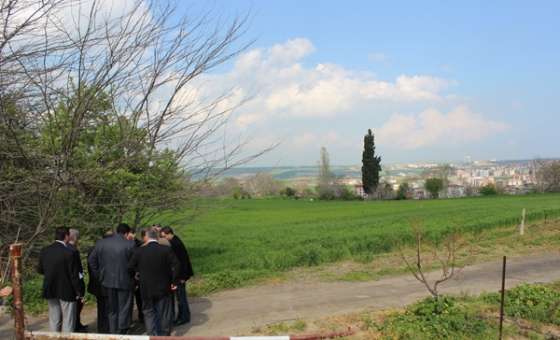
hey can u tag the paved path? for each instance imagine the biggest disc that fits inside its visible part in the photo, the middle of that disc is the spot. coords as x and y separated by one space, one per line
235 312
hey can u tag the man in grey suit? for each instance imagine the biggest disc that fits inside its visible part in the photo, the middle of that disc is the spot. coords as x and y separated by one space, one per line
109 263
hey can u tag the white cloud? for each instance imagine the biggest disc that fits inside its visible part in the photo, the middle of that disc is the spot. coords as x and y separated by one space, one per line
377 57
308 139
283 86
432 127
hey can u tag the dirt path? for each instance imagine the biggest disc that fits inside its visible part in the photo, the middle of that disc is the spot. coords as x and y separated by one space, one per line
236 312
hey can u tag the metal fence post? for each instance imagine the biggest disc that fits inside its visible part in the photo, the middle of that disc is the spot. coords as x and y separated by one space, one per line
15 255
502 301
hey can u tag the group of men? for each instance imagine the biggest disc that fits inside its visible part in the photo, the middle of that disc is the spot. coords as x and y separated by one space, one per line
152 270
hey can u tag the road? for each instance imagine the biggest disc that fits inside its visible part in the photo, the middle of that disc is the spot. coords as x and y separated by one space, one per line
236 312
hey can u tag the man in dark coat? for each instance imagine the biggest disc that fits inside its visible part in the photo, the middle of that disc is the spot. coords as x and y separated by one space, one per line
137 295
73 245
61 284
157 269
186 272
96 289
109 263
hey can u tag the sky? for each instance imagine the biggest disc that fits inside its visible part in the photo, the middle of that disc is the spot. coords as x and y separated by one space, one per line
434 80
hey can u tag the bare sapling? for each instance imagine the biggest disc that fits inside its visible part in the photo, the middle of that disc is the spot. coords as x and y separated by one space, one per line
427 255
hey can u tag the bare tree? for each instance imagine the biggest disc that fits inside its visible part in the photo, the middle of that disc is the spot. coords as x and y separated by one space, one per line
59 59
419 261
327 179
547 175
262 184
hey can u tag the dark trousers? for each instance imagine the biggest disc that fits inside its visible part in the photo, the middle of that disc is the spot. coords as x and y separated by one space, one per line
119 303
158 315
79 307
138 298
183 310
102 315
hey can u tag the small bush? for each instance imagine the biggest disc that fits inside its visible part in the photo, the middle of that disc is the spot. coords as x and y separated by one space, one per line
288 192
531 302
442 318
33 295
488 190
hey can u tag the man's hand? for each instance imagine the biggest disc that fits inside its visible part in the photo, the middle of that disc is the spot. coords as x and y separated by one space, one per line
173 287
6 291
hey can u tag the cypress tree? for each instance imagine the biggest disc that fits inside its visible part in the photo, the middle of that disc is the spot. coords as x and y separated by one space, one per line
371 165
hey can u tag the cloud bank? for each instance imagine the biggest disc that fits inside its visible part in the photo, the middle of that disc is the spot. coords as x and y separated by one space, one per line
287 93
432 127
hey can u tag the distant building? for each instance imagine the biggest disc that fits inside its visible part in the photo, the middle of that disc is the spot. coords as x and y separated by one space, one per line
359 190
420 194
455 191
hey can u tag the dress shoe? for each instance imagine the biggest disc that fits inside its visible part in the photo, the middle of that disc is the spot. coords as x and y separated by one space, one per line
180 322
81 328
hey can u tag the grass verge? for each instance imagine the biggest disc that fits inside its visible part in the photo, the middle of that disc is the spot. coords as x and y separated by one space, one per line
532 312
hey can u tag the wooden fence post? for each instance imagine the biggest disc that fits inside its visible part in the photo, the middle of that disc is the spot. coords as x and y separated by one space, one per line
522 225
19 317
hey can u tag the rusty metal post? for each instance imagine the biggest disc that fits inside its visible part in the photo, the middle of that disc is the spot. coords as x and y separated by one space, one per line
19 317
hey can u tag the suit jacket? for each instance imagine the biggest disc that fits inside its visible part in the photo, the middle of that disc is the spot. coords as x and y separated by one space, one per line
94 286
157 267
109 262
180 251
78 260
58 265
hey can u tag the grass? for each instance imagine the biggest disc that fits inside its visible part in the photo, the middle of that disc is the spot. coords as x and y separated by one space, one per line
449 317
237 242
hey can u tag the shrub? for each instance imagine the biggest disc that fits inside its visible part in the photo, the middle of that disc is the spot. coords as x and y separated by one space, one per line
488 190
531 302
289 192
434 186
442 318
403 191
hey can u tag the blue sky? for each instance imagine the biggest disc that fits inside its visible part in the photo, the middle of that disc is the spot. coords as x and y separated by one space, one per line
436 80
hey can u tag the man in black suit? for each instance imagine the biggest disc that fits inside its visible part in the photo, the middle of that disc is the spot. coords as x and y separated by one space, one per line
61 284
109 263
73 245
157 268
185 273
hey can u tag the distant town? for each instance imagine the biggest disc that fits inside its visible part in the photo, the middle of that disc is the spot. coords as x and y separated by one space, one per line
463 179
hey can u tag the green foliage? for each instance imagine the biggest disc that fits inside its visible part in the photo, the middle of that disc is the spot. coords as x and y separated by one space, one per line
488 190
434 186
371 164
532 302
82 166
274 235
32 295
289 192
442 318
402 193
117 170
240 193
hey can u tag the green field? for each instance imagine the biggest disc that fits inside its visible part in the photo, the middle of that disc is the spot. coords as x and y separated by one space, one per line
233 241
